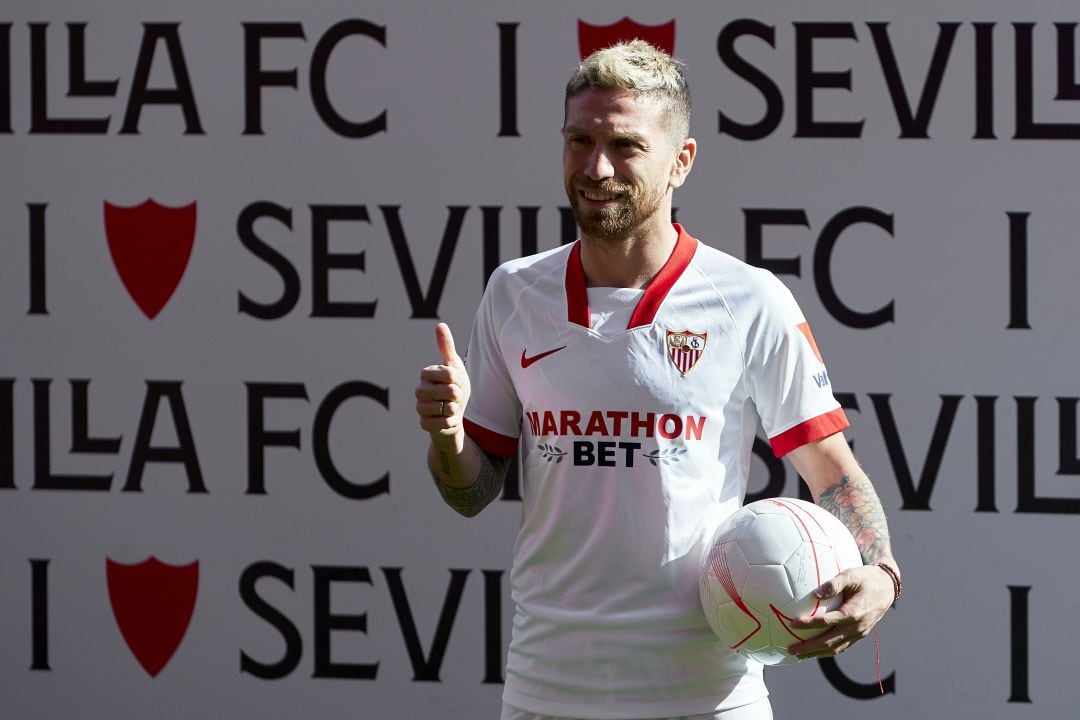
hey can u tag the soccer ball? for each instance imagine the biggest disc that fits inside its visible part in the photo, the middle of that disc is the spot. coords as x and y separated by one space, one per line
761 568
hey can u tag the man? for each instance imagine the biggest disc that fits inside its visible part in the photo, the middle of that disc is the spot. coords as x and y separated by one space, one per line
635 365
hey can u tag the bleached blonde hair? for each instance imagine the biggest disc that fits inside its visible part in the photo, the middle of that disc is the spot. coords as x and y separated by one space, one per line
640 68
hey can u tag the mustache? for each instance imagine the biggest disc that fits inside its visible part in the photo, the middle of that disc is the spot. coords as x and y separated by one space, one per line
602 186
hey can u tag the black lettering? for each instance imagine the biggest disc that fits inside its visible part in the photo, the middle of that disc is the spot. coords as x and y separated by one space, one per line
913 125
81 442
1018 643
807 80
1018 271
426 668
44 479
290 279
916 496
984 81
321 440
5 78
852 689
493 646
629 448
326 622
823 264
774 100
323 261
258 437
255 78
37 259
1026 499
39 615
1026 126
985 452
605 454
568 229
40 122
184 452
490 239
182 95
1067 88
508 119
512 482
583 453
319 95
78 85
1068 458
758 218
424 305
7 433
273 616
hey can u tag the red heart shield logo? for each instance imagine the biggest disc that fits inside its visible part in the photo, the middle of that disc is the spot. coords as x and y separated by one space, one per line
152 603
150 246
597 37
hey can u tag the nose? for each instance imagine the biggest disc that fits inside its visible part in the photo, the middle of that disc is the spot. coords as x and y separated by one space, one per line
599 166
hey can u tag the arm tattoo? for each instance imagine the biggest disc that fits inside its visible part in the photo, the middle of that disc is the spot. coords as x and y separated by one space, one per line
856 504
472 499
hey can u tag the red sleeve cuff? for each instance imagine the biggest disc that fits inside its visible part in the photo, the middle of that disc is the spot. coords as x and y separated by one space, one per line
808 431
491 442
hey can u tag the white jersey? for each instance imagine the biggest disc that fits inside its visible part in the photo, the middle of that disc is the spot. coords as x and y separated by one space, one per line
636 412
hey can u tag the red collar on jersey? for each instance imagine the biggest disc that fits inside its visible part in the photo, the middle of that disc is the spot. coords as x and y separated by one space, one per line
577 298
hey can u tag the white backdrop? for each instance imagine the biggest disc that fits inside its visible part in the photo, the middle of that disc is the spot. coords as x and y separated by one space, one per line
256 420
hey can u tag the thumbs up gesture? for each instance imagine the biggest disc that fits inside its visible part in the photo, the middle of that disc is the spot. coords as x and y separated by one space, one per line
444 389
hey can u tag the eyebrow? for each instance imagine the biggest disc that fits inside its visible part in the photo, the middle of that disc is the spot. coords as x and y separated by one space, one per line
631 136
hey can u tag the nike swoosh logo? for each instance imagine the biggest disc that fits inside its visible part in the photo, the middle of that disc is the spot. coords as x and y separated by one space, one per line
527 361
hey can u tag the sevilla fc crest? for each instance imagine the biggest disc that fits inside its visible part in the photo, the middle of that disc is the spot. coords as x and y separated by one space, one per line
684 349
597 37
150 246
152 603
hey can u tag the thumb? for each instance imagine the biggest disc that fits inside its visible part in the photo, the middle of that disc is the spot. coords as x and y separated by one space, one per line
833 587
445 340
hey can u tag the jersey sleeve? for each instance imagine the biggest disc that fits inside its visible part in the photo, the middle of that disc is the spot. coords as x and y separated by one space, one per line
493 415
787 376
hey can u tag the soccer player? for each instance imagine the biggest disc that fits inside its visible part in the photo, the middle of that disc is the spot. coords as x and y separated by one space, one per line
633 368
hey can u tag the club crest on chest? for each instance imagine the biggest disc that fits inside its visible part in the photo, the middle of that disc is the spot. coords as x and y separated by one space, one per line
684 348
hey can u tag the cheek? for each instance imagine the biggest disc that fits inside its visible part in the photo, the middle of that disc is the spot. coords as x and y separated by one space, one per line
572 163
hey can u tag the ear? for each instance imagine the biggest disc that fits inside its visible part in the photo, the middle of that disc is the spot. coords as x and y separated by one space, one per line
683 161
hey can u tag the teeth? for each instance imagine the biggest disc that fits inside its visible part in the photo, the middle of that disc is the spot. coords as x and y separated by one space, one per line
599 196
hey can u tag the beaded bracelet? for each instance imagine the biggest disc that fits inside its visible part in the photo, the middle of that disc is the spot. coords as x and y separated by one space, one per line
898 586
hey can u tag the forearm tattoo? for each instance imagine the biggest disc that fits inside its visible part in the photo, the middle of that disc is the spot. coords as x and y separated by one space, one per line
472 499
856 504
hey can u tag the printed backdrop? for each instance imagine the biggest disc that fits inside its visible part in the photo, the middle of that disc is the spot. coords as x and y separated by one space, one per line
229 230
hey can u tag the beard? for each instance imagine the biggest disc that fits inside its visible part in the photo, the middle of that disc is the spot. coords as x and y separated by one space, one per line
618 221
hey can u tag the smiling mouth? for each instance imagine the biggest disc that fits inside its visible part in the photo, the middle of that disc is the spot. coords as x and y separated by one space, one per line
598 196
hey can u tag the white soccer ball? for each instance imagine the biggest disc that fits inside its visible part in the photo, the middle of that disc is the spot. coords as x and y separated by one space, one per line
761 568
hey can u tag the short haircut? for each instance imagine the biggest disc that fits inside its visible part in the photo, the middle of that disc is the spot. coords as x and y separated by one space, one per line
642 69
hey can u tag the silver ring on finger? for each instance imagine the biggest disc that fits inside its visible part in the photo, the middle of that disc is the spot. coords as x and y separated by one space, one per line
442 408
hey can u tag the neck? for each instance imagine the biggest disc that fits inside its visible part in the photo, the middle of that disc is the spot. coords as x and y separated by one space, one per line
629 262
